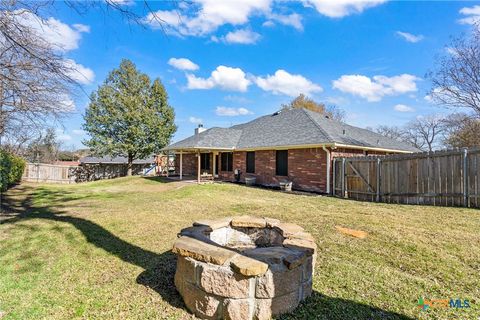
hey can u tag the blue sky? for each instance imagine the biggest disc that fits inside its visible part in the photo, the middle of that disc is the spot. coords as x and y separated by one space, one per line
246 58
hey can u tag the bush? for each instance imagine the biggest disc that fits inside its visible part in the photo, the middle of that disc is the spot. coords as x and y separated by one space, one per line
11 169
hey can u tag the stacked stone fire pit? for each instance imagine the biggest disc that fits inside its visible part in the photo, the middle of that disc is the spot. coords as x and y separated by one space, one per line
244 267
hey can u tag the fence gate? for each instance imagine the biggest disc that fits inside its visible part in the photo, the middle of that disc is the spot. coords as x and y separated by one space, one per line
357 179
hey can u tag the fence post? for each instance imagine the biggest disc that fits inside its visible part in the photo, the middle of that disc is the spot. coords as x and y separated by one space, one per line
334 193
343 178
378 179
465 177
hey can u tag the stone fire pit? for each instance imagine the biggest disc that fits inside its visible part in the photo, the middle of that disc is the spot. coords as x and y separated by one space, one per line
243 267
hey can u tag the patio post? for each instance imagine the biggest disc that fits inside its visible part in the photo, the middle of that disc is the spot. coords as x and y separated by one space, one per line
214 164
168 159
198 171
181 165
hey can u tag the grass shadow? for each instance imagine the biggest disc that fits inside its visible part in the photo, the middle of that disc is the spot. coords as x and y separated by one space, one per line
323 307
159 268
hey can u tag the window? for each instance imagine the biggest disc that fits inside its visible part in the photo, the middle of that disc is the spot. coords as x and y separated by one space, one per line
282 163
227 161
205 161
251 162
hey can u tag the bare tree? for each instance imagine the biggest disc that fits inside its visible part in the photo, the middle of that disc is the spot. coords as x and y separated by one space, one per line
392 132
426 133
36 81
456 82
304 102
463 131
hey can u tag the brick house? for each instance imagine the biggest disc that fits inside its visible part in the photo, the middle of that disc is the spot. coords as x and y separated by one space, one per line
295 145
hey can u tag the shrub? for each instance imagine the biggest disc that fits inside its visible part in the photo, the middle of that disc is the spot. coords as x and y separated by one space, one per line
11 169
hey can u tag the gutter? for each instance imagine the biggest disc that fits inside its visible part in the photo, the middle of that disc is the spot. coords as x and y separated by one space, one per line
328 167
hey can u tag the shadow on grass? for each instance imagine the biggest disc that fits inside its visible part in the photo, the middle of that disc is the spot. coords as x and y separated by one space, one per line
319 306
160 179
159 268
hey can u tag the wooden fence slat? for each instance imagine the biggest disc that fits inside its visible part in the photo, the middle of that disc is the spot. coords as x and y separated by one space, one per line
444 178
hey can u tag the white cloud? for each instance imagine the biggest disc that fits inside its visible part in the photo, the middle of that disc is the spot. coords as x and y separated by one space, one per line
183 64
81 27
208 15
222 77
451 51
204 17
294 20
410 37
242 36
79 73
283 82
195 120
341 8
67 104
472 15
79 132
58 34
232 112
268 23
122 2
376 88
403 108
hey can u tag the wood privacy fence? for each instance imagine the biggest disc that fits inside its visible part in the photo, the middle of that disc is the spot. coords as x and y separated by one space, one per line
50 173
442 178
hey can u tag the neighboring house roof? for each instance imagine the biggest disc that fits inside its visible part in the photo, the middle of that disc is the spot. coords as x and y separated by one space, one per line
287 128
114 160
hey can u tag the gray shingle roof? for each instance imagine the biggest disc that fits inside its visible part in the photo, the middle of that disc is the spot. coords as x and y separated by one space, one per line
115 160
294 127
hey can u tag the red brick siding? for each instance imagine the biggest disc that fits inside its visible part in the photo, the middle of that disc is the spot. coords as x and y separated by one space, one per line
190 164
306 168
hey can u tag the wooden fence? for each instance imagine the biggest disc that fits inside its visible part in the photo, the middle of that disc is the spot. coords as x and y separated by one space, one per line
50 173
442 178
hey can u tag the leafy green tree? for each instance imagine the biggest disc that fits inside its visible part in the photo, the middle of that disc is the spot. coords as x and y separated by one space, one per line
129 115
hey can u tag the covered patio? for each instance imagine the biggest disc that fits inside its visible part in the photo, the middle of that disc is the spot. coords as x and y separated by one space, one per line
203 164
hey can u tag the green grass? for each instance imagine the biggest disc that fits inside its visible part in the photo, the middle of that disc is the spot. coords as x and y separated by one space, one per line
102 250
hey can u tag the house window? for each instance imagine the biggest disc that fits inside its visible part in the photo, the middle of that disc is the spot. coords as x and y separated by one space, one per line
205 161
251 162
227 161
282 163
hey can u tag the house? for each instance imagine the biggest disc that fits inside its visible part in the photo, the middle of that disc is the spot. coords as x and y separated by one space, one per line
294 145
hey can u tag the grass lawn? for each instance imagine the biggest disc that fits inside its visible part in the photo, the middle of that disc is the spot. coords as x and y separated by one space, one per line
102 250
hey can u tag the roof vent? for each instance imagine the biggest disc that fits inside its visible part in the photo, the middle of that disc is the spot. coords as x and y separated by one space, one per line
276 113
343 131
328 117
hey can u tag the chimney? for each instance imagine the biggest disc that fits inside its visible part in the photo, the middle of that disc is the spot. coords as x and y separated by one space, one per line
199 129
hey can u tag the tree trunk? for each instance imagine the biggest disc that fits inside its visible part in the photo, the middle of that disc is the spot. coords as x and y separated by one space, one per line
129 165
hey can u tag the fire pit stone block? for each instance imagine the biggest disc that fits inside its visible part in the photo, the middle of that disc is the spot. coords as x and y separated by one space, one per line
244 267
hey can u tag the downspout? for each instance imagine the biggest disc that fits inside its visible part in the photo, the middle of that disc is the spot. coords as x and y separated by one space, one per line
328 167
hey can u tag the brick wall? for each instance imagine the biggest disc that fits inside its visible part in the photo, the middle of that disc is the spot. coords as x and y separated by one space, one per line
190 164
306 168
